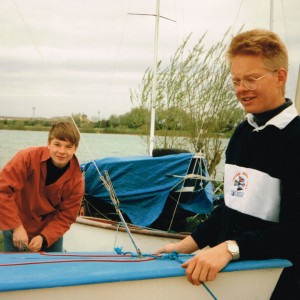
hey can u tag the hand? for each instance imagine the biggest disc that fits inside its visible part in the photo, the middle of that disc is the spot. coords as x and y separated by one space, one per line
167 248
205 265
20 237
187 245
36 243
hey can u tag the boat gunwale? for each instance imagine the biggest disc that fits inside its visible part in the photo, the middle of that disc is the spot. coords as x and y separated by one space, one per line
117 226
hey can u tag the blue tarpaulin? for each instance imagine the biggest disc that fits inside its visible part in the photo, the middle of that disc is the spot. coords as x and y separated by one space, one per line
142 185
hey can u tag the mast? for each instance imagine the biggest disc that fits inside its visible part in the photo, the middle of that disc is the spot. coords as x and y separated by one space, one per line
271 14
297 97
153 101
154 80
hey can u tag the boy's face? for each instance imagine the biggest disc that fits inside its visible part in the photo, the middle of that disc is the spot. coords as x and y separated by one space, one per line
61 152
268 92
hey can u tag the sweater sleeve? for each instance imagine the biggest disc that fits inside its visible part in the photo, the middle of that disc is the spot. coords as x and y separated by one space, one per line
207 232
12 179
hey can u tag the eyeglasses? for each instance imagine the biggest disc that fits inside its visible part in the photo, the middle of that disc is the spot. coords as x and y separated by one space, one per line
249 83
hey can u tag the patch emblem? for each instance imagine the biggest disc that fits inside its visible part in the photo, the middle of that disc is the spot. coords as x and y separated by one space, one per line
239 184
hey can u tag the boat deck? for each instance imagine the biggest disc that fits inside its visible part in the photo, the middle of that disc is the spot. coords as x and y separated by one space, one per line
32 271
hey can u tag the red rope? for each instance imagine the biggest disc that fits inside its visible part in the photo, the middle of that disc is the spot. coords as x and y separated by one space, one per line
85 255
104 259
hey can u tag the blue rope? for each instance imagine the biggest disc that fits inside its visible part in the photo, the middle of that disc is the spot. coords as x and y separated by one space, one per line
209 291
170 256
119 251
175 256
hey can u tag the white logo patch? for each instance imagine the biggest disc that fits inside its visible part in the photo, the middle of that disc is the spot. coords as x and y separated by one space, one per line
239 183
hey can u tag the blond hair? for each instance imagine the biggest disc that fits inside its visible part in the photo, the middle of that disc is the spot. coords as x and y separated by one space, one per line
263 43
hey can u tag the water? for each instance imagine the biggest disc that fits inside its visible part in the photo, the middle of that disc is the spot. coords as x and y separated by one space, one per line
91 146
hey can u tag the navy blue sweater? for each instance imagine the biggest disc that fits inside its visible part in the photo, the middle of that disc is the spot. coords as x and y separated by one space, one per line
261 191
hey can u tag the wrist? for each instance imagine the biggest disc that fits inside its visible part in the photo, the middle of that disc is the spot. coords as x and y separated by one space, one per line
20 227
233 249
43 238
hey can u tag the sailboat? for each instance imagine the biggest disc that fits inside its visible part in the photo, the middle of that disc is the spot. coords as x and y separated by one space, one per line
134 273
147 196
146 181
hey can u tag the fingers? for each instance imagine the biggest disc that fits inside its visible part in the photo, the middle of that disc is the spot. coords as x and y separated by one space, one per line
186 264
166 249
198 271
22 247
19 243
35 244
193 272
19 236
159 251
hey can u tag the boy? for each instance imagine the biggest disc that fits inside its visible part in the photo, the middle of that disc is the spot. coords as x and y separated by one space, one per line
260 217
41 189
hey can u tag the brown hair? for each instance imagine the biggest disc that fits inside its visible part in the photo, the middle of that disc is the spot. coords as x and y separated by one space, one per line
64 131
263 43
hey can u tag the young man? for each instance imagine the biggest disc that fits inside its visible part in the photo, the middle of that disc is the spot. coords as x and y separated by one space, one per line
41 189
259 219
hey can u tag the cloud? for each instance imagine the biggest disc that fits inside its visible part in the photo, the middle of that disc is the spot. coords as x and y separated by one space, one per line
85 56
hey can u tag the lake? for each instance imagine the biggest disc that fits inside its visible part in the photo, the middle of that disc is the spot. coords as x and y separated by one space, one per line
91 146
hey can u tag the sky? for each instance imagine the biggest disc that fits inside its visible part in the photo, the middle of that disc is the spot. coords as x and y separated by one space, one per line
62 57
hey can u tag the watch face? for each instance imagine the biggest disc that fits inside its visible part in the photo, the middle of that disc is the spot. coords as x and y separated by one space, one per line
233 248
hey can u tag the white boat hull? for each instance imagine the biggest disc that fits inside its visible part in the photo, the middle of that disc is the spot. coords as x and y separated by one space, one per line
92 235
246 284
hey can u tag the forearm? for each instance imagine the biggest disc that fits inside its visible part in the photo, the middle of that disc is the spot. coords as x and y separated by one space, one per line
187 245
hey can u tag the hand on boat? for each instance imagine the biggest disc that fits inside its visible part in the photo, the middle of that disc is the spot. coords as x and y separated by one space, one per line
36 243
20 237
187 245
166 249
205 265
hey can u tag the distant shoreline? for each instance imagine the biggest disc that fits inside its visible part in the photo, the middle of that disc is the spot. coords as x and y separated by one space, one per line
82 130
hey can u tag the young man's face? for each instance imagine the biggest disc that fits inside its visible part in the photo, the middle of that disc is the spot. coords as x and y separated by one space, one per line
61 152
268 92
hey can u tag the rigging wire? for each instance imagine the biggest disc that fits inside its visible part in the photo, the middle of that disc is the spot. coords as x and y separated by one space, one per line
237 15
118 52
30 35
109 187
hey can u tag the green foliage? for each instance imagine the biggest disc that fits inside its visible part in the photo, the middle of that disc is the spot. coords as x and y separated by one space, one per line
25 124
191 97
134 119
114 121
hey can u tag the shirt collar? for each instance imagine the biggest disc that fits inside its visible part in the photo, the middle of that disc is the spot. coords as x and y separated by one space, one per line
280 121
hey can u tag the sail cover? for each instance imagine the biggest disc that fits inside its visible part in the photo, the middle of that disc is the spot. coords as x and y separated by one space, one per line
143 183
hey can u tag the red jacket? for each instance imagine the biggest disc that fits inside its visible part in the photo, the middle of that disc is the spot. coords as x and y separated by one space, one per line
25 199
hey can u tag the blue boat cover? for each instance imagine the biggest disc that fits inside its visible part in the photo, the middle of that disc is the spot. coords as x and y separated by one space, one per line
22 271
142 187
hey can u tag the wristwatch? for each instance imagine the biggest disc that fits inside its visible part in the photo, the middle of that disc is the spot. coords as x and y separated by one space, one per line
234 250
